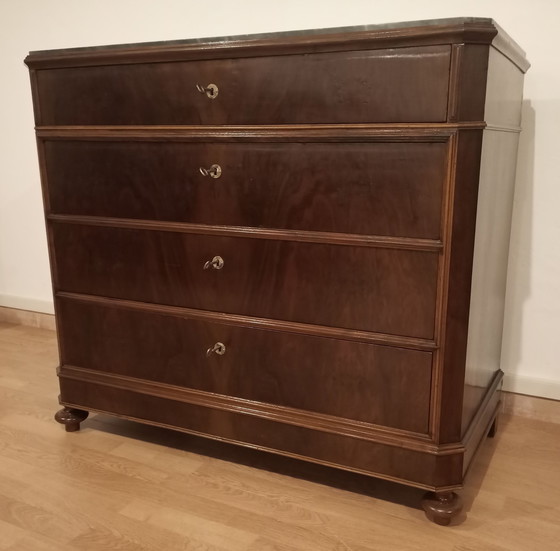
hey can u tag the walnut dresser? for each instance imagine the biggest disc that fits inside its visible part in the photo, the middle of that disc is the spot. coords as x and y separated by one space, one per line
295 241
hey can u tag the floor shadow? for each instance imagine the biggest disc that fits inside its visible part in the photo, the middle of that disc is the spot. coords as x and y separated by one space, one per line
319 474
374 488
477 472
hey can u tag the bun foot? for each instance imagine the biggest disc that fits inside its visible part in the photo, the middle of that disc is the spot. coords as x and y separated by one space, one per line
441 507
71 418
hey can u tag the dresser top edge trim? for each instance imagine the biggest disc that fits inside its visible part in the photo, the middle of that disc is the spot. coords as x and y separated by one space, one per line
404 34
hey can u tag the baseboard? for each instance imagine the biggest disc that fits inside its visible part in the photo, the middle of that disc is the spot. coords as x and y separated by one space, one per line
532 386
25 317
27 304
540 409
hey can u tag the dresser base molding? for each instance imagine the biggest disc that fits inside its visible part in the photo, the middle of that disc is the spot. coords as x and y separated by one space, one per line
275 413
483 421
374 453
423 470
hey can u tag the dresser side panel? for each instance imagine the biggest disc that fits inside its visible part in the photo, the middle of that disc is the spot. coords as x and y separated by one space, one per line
469 69
504 92
460 246
493 225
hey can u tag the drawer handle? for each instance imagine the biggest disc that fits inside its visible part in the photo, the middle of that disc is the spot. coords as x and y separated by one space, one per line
219 348
217 263
211 90
215 171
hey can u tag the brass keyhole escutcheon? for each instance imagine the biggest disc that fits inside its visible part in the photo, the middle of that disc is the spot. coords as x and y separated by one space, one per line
211 90
217 263
215 171
219 348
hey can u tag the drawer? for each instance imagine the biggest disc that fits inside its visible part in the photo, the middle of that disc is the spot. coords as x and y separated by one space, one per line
385 290
390 85
363 382
392 189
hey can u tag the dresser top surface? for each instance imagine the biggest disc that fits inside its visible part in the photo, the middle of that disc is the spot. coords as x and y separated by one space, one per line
321 32
423 32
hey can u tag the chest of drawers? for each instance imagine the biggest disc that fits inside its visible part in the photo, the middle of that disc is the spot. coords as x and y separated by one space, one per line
295 242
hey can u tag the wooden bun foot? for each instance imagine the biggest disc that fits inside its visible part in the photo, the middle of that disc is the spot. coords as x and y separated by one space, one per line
71 418
441 507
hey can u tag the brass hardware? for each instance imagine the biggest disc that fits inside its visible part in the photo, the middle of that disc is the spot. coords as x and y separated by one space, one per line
219 348
211 90
215 171
217 263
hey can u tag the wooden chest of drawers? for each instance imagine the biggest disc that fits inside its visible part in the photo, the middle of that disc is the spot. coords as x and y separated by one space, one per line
296 242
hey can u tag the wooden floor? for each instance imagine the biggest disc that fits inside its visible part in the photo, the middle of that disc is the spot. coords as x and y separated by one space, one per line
125 486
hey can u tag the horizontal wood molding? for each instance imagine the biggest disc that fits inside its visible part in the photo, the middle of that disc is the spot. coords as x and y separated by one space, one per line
284 453
407 132
259 323
415 33
498 128
406 243
282 414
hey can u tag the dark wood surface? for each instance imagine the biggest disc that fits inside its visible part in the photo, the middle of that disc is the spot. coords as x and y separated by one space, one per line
442 507
355 381
383 290
391 85
459 30
360 188
345 213
461 230
71 418
420 469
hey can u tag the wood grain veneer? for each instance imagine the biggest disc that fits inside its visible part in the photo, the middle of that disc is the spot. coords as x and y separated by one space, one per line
353 216
364 288
333 87
357 381
396 187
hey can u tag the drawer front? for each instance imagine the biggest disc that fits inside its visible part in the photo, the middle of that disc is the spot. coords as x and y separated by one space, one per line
392 189
391 291
363 382
392 85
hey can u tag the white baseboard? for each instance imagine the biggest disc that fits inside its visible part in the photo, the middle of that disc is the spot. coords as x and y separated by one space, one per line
28 304
532 386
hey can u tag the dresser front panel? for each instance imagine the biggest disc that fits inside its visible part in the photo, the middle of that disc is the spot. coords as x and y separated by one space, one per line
364 382
386 85
390 189
366 288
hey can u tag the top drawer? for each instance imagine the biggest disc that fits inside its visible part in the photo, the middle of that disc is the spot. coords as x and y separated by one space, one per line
390 85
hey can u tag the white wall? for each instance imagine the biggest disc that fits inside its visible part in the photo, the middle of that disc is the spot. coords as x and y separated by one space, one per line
530 358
